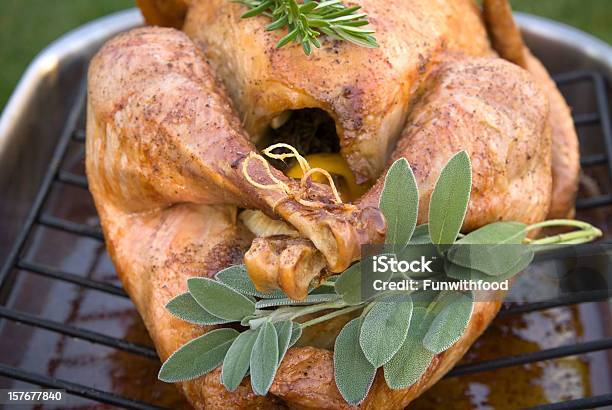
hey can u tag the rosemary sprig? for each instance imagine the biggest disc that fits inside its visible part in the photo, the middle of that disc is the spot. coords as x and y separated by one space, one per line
305 22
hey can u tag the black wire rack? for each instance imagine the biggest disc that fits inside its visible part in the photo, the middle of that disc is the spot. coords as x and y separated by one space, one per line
72 133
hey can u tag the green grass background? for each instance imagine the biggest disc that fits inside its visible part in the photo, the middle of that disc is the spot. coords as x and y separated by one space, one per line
27 26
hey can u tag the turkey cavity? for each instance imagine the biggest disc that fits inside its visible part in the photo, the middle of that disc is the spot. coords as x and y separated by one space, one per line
309 130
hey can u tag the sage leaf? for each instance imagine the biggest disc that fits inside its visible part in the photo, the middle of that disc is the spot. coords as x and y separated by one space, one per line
308 300
459 272
421 235
399 203
296 333
186 308
494 260
492 249
412 359
423 298
521 264
348 285
449 313
462 273
197 357
237 278
353 373
384 328
496 233
237 359
449 200
220 300
264 359
283 332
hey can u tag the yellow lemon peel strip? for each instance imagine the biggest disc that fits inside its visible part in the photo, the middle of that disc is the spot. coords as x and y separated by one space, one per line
307 172
327 175
278 184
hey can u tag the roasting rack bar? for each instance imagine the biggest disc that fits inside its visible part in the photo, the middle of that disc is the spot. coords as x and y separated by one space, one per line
585 403
73 133
54 273
81 182
76 332
546 354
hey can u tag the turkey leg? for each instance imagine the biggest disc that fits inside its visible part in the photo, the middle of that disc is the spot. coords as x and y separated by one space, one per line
166 134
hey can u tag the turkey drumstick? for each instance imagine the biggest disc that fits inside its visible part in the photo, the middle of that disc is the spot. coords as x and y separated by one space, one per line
169 135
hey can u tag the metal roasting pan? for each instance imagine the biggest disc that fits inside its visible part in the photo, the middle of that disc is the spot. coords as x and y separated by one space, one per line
79 332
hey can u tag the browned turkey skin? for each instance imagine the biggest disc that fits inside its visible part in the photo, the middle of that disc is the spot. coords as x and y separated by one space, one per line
165 149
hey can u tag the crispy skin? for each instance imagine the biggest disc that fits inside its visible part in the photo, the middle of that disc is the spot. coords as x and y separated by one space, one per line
367 91
158 235
505 36
508 42
565 146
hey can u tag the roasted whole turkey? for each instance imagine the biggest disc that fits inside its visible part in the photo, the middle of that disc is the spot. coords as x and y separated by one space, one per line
177 114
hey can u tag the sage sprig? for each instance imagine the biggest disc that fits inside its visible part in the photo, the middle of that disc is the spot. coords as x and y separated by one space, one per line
400 331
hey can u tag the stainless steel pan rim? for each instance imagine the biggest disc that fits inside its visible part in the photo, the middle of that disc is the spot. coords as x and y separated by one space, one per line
76 42
540 27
